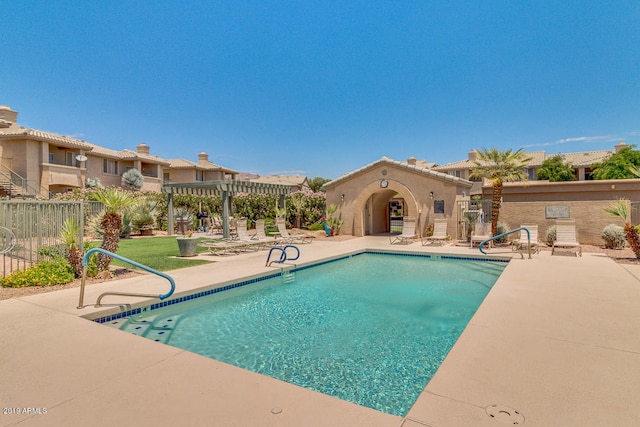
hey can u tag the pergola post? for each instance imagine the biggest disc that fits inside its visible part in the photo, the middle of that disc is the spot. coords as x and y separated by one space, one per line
170 214
225 215
282 203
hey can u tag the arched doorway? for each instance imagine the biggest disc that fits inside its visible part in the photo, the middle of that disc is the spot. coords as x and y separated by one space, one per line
372 209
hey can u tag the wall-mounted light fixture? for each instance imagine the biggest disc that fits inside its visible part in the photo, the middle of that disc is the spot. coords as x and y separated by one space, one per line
431 195
342 197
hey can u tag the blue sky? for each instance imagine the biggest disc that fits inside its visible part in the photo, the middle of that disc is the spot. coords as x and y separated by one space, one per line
321 88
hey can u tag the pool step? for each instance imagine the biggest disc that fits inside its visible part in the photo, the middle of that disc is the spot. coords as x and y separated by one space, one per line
157 329
288 276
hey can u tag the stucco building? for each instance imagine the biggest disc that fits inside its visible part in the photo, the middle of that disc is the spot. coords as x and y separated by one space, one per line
37 163
368 198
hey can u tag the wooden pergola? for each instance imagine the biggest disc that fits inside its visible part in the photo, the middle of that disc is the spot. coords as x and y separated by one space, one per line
227 189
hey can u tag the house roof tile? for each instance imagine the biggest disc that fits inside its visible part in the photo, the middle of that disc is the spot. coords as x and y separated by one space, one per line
67 141
404 165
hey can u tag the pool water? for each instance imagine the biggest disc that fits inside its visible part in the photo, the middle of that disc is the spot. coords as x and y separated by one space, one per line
370 329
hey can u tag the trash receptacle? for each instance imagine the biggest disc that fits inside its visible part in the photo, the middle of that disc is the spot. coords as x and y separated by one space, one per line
183 225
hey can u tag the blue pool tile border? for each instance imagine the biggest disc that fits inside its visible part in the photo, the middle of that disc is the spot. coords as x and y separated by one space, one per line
116 316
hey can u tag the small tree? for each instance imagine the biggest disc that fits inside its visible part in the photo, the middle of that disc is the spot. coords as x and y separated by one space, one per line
115 201
499 167
317 183
619 165
69 234
555 169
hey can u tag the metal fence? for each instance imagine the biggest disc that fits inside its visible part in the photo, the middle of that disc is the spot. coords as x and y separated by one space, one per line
478 210
37 225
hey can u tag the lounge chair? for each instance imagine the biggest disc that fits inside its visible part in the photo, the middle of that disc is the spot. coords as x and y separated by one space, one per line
523 242
243 236
439 233
223 246
481 232
214 225
408 231
286 237
566 236
261 235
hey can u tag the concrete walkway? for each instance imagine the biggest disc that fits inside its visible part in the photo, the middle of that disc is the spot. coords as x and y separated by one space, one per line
555 343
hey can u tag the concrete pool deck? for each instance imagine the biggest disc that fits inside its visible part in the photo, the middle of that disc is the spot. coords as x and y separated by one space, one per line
555 343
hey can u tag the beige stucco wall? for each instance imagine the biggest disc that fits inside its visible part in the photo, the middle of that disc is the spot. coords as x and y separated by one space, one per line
181 175
364 208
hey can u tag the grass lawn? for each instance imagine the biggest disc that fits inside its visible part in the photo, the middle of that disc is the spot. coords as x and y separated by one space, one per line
155 252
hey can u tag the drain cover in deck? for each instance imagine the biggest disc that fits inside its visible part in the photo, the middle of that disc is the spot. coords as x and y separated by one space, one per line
505 415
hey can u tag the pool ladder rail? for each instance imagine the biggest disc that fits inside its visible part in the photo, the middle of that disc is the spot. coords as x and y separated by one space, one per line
85 261
283 254
499 236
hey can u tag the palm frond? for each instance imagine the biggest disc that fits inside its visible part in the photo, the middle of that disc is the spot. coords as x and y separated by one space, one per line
619 209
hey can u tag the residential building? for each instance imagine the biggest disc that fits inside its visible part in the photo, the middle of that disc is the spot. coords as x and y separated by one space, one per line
37 163
581 163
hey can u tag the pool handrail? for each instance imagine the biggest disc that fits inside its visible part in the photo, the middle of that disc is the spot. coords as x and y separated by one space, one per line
499 236
85 261
283 254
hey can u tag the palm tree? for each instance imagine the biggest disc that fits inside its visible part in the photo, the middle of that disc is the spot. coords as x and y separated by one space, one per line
499 167
114 201
620 209
469 219
69 235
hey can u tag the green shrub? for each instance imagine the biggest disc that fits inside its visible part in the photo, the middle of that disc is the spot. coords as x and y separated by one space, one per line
551 235
502 227
92 262
614 237
317 226
45 273
52 252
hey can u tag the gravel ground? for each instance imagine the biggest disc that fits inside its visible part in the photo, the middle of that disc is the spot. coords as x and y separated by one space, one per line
622 256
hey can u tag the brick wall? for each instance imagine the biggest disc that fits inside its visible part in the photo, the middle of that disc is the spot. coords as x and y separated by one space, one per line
589 216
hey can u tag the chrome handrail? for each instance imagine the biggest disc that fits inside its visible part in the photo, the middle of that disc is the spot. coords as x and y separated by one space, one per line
499 236
85 261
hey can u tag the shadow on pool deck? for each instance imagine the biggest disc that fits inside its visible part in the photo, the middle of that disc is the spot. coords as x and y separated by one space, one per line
555 343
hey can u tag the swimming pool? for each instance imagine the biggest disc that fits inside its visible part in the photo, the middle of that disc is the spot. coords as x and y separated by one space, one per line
371 328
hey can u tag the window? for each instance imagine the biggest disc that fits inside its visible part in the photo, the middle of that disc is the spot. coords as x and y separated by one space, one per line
110 166
166 177
454 173
51 158
70 160
531 174
199 175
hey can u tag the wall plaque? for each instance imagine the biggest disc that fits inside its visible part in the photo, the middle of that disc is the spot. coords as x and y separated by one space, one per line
555 212
438 206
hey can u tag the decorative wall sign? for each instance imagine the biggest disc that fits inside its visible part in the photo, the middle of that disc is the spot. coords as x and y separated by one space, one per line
555 212
438 206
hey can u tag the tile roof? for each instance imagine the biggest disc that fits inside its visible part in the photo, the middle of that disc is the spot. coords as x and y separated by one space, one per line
537 157
579 159
586 158
404 165
67 141
280 179
206 165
